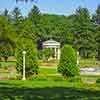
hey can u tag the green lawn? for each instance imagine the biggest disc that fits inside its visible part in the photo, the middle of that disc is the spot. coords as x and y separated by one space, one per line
49 85
48 90
8 64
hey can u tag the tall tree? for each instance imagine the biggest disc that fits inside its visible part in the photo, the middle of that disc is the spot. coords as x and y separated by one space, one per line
27 30
6 13
7 38
84 33
34 15
96 21
16 18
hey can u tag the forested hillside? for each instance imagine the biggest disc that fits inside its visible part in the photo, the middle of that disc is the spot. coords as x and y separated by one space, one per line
81 30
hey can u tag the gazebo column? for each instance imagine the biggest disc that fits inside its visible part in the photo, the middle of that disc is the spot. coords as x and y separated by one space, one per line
55 53
58 56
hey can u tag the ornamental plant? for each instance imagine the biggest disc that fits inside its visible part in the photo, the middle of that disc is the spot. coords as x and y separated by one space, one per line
31 58
68 60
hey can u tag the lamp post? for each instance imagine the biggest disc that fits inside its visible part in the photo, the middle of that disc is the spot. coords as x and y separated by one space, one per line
77 58
24 78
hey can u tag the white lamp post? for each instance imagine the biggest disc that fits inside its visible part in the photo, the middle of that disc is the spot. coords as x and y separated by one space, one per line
24 78
77 58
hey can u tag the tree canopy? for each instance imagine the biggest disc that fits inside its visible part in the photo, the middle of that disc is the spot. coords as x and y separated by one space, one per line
81 30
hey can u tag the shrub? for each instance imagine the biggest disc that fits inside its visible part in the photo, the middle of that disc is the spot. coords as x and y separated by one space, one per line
40 54
47 52
31 57
67 64
0 65
98 80
75 79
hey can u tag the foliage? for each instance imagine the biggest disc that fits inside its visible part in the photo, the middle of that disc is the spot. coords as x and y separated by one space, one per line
80 29
67 65
96 21
7 38
34 15
47 53
57 27
98 80
31 57
16 19
84 34
16 16
6 51
28 30
40 54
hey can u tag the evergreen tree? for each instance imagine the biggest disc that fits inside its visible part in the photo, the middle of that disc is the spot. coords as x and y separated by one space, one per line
84 34
96 21
27 30
34 15
16 18
67 65
31 57
7 38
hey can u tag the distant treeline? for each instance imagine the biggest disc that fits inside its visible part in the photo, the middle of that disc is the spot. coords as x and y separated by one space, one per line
81 30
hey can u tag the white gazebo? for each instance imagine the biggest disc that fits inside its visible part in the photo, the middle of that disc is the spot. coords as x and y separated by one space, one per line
54 45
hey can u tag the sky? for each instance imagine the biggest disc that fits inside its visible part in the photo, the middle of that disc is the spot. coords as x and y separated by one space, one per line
60 7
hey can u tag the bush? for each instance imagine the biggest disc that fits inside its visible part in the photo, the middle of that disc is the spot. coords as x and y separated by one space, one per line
47 53
98 80
40 54
31 57
67 64
47 78
75 79
0 65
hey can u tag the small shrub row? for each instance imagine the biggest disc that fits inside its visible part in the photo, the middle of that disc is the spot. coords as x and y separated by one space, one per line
98 80
47 78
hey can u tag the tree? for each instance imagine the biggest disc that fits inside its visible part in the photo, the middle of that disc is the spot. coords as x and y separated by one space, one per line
7 38
67 64
5 13
96 22
27 30
16 18
34 15
47 53
57 27
31 57
84 34
6 50
96 17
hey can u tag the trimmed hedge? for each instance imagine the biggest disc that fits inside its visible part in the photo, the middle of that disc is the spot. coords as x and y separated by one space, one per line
68 60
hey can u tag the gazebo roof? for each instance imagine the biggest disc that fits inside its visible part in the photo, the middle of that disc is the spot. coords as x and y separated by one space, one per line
51 42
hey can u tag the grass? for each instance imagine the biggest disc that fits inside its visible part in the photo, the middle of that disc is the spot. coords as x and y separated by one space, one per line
89 63
7 64
48 90
3 71
49 86
48 71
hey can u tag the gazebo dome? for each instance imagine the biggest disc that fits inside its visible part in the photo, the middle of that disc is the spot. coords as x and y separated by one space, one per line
51 44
